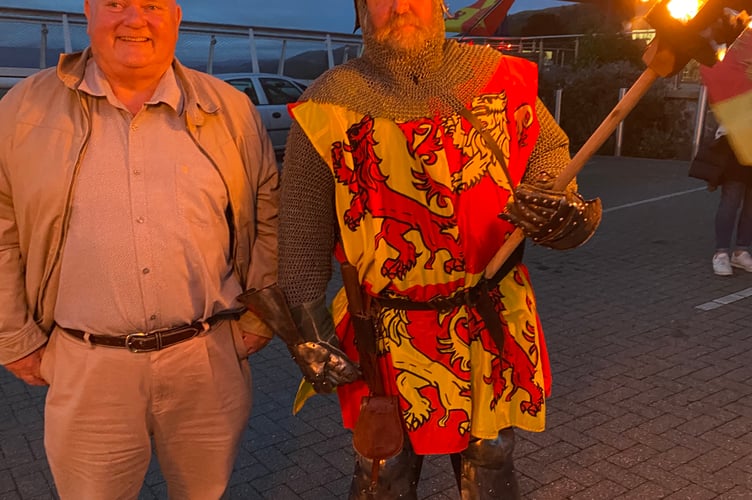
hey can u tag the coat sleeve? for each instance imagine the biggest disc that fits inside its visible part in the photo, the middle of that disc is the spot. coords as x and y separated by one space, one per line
19 334
264 173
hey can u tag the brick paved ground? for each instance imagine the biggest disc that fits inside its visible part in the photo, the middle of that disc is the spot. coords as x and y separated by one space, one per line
651 357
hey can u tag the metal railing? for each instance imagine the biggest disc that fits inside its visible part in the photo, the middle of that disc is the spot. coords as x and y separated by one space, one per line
34 38
545 50
561 50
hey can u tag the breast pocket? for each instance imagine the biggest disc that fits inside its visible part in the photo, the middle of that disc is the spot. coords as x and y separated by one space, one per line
200 193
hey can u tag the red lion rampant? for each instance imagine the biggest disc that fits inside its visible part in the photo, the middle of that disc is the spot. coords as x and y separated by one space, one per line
401 214
515 358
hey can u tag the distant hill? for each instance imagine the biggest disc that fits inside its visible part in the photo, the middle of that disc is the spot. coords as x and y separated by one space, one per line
565 20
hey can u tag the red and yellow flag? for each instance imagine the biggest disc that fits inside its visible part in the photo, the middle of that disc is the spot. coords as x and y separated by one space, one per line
729 84
481 18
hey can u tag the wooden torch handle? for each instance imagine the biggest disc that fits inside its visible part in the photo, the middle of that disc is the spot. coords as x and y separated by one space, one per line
593 144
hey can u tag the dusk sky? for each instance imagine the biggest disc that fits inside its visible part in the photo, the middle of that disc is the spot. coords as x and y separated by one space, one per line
297 14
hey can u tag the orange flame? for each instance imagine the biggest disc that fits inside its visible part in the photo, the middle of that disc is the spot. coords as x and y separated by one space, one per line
684 10
721 52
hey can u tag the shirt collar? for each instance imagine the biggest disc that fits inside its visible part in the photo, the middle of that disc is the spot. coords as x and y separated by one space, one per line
168 90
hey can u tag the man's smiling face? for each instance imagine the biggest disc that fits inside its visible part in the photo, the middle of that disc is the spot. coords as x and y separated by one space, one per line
133 38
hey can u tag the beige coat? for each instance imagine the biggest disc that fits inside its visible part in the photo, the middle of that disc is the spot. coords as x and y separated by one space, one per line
44 129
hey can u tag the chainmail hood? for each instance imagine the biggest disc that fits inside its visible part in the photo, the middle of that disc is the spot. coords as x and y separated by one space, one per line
448 75
434 79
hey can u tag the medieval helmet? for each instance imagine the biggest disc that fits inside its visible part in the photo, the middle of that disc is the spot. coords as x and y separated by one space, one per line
357 17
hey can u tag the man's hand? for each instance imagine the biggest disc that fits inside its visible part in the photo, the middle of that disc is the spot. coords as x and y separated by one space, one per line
27 369
253 342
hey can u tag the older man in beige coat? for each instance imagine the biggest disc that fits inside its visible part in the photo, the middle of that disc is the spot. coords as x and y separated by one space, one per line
138 199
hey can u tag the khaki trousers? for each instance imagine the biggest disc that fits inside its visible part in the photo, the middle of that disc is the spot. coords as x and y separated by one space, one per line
105 407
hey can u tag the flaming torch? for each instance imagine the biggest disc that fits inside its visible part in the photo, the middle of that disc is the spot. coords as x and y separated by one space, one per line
685 30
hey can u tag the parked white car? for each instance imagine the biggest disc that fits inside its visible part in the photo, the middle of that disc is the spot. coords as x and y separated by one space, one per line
6 84
11 76
270 93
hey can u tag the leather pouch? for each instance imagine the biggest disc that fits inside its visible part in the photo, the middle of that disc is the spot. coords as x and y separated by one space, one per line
378 434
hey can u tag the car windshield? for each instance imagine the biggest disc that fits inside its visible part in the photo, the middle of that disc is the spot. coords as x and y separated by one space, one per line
246 86
280 91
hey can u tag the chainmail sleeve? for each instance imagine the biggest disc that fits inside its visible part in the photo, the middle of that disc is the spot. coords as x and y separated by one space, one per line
551 152
306 221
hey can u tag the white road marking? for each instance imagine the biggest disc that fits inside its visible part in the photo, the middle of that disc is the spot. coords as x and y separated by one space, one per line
707 306
651 200
725 300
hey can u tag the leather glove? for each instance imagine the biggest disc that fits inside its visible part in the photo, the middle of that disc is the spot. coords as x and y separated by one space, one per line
555 219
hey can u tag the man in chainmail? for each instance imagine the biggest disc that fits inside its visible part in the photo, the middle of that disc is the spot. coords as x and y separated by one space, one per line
385 168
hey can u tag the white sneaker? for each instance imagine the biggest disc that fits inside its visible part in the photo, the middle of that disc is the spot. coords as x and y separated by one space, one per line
722 265
743 261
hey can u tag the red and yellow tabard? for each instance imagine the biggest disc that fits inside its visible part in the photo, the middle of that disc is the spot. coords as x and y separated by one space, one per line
418 206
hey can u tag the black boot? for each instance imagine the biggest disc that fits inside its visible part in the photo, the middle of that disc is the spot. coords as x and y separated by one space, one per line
488 469
397 478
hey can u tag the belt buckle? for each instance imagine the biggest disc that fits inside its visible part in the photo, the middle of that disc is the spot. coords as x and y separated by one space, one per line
132 337
441 304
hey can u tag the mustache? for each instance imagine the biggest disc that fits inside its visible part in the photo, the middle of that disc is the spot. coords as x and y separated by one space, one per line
403 20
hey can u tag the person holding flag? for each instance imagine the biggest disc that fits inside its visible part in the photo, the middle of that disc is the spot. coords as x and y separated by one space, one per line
734 212
729 86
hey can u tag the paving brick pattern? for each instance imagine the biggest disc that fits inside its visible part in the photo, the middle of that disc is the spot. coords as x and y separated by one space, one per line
652 393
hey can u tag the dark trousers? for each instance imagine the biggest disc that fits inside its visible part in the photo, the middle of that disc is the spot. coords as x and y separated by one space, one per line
734 211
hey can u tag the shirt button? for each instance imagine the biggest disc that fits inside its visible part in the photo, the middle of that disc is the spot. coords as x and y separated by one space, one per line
145 270
140 220
153 317
136 172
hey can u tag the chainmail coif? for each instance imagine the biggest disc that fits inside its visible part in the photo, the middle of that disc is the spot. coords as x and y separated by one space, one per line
443 76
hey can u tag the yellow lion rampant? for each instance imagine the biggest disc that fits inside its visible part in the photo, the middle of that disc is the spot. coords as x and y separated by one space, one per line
417 371
490 109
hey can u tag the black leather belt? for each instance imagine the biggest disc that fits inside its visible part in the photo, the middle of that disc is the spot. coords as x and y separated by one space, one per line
151 341
467 297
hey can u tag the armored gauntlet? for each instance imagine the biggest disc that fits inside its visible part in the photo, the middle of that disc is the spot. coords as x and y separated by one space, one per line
308 331
555 219
319 357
